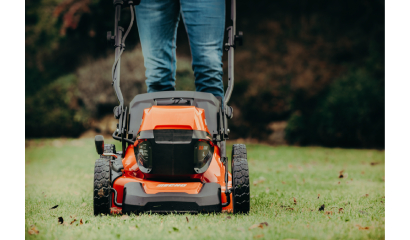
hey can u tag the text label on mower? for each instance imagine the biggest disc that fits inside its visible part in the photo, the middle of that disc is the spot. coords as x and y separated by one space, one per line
171 185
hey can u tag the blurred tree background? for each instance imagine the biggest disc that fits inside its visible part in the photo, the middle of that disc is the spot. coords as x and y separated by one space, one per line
309 73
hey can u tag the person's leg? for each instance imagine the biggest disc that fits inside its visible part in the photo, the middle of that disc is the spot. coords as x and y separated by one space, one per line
157 24
205 24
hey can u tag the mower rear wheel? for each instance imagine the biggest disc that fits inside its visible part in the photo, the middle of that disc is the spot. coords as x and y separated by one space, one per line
240 179
102 187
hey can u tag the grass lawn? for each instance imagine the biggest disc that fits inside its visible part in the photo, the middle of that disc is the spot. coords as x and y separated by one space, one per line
289 185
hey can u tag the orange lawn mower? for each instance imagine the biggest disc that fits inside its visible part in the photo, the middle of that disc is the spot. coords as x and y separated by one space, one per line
173 157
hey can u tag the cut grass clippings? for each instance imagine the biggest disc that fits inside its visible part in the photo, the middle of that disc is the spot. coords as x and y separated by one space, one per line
296 193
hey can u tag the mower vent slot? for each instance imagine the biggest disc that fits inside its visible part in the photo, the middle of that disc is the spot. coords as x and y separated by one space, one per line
172 136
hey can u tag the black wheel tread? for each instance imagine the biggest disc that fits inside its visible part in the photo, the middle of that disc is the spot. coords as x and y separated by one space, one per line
240 178
102 187
239 151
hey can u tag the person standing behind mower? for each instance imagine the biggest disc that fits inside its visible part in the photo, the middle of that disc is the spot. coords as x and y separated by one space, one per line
157 22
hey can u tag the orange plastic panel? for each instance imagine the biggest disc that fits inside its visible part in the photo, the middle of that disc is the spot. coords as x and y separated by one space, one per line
174 117
187 187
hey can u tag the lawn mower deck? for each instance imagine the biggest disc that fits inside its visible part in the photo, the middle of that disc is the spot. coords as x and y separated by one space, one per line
173 156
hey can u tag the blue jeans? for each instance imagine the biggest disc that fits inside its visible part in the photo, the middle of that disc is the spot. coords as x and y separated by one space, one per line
204 22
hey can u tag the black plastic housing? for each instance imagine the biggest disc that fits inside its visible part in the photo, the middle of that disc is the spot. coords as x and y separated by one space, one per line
172 153
136 200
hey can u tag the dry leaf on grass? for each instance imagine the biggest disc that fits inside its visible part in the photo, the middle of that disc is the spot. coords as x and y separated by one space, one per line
322 208
115 210
187 220
362 228
228 217
340 210
257 181
291 209
362 172
60 220
318 196
73 221
259 225
33 230
366 195
341 174
56 206
294 201
81 221
329 213
283 182
374 163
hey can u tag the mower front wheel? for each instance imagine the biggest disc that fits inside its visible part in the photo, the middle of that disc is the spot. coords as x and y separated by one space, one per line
102 187
240 179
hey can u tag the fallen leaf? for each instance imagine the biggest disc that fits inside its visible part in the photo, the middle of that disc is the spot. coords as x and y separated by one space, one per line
124 217
362 172
259 236
322 208
374 163
33 230
318 196
283 182
303 180
83 205
290 209
115 210
258 225
341 174
294 201
81 221
366 195
329 213
56 206
260 180
187 220
60 220
340 210
338 183
361 228
228 217
73 221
